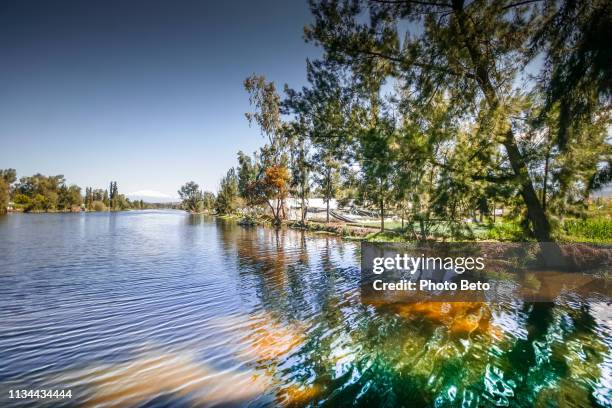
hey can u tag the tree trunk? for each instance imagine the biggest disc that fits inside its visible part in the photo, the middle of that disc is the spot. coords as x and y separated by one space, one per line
535 212
482 66
282 206
273 211
279 209
422 227
382 214
303 209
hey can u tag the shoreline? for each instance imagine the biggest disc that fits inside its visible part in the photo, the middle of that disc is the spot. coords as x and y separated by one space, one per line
349 232
352 232
346 231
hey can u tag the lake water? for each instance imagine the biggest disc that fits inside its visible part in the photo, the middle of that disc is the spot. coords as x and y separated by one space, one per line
162 308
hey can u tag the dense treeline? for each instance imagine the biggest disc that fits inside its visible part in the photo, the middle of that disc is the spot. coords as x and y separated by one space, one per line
40 193
424 110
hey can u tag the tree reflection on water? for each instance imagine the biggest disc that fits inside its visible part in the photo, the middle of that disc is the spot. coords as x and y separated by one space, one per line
288 326
420 354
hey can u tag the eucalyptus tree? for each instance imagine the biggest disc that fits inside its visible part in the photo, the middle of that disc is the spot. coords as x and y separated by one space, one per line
273 173
472 54
191 197
264 97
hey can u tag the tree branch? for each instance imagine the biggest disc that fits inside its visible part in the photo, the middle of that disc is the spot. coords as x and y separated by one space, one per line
520 3
421 3
400 60
494 179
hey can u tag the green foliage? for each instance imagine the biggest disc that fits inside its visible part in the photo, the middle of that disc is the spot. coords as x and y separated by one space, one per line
300 164
7 177
69 197
265 99
113 195
578 62
98 206
248 170
378 153
510 230
227 198
466 58
458 134
106 199
4 196
595 229
42 193
193 200
208 201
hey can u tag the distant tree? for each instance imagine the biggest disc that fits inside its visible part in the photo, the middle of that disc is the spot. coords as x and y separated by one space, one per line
98 206
248 171
8 175
113 195
191 197
40 192
69 197
88 201
208 201
105 199
7 178
121 202
227 200
4 196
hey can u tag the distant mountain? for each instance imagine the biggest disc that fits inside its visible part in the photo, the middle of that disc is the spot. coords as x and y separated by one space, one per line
152 196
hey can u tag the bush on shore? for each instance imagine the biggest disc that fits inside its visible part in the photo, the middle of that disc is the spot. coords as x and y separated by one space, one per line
595 229
98 206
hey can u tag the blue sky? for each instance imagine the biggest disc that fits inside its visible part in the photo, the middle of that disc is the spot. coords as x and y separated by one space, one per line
147 93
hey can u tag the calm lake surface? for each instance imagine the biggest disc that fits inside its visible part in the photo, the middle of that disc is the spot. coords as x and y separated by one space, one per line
162 308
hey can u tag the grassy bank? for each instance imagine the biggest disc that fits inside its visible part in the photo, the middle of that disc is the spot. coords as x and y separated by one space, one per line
598 230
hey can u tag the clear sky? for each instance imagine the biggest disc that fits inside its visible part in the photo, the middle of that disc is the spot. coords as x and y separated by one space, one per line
147 93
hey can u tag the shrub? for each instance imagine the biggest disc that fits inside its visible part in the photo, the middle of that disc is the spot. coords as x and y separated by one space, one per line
99 206
506 231
599 229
